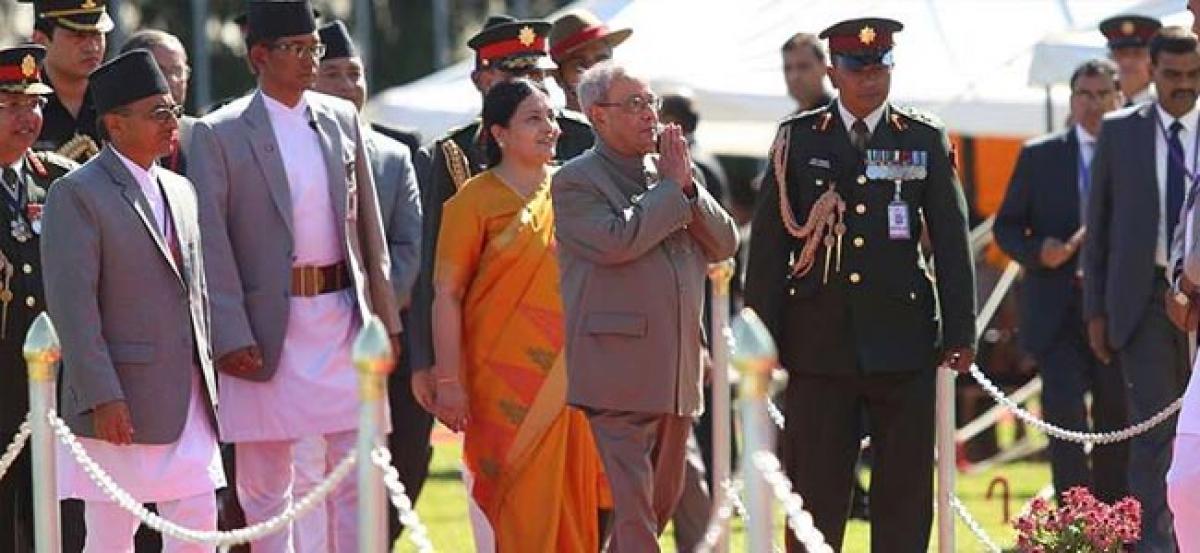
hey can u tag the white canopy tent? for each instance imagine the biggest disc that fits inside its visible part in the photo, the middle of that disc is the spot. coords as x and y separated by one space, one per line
1056 56
968 61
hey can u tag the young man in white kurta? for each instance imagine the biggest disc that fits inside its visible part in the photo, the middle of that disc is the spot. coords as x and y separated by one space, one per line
286 188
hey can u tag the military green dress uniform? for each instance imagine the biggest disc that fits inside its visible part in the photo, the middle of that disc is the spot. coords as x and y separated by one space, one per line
837 273
514 47
22 192
74 136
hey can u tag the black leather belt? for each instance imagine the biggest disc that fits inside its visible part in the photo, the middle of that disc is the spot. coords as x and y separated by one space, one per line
311 281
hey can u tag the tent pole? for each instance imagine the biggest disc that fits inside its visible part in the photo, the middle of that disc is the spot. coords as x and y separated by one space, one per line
441 33
201 59
1049 110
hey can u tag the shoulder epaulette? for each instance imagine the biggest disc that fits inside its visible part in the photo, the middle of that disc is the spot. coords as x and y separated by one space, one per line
50 161
820 118
915 115
469 128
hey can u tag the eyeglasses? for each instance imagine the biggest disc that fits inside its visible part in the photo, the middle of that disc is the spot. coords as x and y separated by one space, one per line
31 104
300 51
635 104
179 73
160 114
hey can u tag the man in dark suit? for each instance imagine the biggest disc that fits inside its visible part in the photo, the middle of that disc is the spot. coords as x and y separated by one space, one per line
26 177
1138 186
836 273
1039 225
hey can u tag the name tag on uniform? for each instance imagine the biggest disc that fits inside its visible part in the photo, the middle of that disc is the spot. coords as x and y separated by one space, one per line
818 162
896 165
898 221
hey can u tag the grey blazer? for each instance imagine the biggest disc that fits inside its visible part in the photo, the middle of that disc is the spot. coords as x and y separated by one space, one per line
632 265
134 325
1122 223
246 214
400 209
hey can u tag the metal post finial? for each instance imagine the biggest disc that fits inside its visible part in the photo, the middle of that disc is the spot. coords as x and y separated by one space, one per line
42 349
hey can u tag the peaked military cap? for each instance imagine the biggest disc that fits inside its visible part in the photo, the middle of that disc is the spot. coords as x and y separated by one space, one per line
857 43
272 19
77 15
512 45
125 79
20 70
1129 31
337 40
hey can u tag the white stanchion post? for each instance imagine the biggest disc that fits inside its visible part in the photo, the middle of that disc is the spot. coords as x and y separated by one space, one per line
946 458
720 275
42 353
374 359
755 357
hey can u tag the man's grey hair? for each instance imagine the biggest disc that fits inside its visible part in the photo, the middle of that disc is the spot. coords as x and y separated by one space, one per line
595 83
149 39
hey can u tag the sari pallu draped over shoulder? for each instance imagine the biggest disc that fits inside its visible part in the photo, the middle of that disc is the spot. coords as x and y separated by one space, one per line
536 473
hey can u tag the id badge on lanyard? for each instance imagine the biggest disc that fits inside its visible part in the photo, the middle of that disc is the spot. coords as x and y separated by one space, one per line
898 224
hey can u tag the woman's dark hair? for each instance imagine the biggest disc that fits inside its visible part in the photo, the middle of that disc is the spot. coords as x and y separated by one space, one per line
499 105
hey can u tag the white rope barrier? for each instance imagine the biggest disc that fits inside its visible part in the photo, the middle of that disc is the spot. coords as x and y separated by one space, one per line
775 414
1073 435
14 447
222 539
798 519
722 514
973 525
417 533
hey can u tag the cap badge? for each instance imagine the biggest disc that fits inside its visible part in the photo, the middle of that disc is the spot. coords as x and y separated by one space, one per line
28 66
526 36
866 35
87 5
1128 28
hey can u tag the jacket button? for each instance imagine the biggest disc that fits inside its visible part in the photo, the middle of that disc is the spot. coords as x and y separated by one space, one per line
859 242
912 296
862 179
30 302
860 209
855 278
27 269
819 182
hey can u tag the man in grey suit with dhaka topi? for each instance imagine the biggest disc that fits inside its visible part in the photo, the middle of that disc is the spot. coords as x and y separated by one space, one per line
286 188
1137 191
125 286
635 235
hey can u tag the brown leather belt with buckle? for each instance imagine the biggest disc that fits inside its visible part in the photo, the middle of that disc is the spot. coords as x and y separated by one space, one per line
311 281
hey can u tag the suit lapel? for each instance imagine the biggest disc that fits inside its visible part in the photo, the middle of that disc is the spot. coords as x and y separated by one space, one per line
1144 157
270 161
132 193
336 166
174 199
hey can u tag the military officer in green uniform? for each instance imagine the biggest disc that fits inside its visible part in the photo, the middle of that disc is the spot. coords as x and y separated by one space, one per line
73 32
505 49
24 178
837 273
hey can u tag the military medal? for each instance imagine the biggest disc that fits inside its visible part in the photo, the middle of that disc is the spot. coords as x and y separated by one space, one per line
898 217
20 230
33 212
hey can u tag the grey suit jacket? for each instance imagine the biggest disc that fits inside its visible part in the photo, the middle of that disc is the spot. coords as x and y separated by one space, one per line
1122 223
134 325
632 266
400 209
246 214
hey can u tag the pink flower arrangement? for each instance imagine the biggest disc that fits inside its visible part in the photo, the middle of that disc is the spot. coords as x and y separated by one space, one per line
1081 524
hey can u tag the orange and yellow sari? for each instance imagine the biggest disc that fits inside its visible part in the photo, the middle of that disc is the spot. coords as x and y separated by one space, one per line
537 475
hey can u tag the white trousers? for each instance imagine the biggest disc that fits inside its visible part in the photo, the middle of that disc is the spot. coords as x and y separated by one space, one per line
311 532
110 528
265 484
1183 491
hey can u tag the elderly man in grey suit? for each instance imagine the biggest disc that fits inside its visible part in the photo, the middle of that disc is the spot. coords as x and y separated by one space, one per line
1139 176
635 235
286 186
125 285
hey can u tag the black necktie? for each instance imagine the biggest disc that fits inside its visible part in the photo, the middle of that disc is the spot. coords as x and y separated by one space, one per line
859 135
1175 171
12 183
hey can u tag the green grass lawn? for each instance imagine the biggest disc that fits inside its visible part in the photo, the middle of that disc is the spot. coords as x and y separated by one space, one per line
443 509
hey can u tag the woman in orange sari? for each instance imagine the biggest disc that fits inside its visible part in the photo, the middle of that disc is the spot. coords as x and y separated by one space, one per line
498 339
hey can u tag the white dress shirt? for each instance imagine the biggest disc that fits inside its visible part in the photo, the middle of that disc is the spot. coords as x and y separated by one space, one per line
1187 137
872 119
1087 149
147 180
